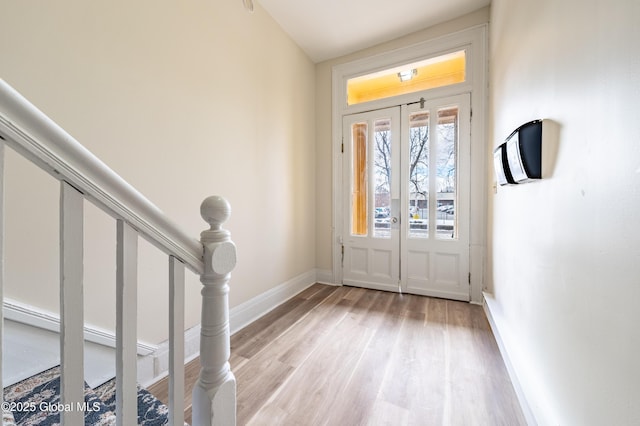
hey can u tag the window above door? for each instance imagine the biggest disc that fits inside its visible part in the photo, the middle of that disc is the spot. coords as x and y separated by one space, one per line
439 71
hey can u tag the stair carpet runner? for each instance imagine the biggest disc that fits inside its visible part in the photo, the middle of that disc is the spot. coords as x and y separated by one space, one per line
36 401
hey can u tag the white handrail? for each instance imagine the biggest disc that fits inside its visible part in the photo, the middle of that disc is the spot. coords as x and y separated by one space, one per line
41 141
28 130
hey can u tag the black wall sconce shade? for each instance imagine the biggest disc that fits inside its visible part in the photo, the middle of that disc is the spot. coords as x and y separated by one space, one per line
519 158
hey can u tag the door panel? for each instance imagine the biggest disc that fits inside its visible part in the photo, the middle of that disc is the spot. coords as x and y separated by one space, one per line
435 244
371 246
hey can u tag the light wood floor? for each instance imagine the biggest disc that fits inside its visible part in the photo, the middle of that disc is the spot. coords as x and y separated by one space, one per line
348 356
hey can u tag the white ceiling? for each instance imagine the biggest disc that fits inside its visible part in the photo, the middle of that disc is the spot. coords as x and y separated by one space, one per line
326 29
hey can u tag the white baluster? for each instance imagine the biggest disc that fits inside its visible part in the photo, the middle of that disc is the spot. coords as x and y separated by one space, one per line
176 341
214 395
71 304
126 324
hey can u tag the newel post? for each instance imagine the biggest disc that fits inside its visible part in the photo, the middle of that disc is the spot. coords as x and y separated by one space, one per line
214 395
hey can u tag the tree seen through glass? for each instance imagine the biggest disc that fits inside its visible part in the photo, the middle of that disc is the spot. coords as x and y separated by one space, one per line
419 162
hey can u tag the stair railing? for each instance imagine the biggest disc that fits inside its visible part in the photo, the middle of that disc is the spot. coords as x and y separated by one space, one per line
83 177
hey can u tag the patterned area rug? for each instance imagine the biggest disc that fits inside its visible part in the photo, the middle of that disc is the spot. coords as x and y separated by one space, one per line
151 412
36 401
7 418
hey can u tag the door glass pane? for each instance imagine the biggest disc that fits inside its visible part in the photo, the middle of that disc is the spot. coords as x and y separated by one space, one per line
418 175
382 178
446 183
359 179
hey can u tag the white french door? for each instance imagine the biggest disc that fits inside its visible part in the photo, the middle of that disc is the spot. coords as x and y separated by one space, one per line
406 197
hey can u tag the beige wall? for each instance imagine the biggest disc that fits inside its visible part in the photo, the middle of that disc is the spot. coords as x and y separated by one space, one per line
565 263
184 100
324 126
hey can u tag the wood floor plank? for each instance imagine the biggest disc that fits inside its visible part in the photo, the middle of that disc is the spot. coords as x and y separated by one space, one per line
417 379
387 414
400 305
293 347
367 376
249 341
251 396
297 346
348 356
314 388
480 386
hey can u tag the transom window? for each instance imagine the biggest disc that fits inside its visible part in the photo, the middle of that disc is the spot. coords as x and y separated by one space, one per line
427 74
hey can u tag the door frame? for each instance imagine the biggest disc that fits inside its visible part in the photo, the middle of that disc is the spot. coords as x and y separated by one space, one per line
474 42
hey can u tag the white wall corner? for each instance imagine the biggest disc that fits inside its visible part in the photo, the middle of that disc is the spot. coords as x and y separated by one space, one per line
490 301
325 276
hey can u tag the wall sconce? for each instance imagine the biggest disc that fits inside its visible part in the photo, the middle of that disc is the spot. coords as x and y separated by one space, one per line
519 158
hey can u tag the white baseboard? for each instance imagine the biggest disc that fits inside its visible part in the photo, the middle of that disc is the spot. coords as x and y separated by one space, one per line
524 404
242 315
39 318
153 360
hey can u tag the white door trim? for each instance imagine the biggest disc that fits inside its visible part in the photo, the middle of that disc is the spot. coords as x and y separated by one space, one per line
474 41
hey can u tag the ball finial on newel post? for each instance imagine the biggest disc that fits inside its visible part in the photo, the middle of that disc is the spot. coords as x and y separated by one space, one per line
215 210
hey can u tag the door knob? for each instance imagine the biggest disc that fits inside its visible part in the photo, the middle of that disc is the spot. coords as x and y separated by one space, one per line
394 220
